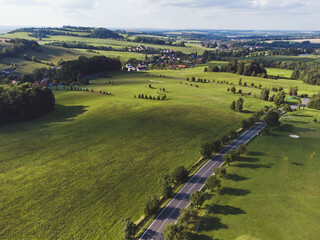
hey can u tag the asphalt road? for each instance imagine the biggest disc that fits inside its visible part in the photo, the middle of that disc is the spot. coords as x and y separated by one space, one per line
181 200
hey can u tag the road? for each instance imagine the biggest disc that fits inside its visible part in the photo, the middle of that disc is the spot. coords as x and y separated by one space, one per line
181 200
303 103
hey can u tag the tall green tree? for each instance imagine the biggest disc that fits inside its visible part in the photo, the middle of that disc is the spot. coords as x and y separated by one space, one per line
129 229
279 98
212 183
197 199
239 105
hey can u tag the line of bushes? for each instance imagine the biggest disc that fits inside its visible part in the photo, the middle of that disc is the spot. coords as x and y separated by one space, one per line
145 96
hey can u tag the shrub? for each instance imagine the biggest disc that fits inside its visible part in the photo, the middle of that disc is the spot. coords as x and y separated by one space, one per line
152 205
242 148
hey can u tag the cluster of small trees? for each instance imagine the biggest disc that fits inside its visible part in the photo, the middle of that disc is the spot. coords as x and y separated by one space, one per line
24 102
237 106
293 91
110 83
246 68
246 123
72 88
145 96
105 92
200 80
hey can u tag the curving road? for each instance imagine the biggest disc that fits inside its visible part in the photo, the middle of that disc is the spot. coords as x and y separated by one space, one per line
181 200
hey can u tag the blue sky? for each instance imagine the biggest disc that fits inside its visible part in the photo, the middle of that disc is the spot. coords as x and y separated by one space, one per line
165 14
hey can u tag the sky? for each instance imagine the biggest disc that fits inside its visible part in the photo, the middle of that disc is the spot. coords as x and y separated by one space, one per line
164 14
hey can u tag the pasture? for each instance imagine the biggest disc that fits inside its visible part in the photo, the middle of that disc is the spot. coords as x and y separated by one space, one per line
78 171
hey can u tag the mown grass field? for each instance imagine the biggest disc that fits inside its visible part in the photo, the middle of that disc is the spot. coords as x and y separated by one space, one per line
281 73
273 191
75 173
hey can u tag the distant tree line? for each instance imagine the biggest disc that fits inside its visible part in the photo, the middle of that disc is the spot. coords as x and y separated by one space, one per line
157 41
24 102
73 71
91 32
18 46
246 68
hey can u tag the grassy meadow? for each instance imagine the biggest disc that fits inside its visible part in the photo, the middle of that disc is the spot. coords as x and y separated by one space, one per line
78 171
272 192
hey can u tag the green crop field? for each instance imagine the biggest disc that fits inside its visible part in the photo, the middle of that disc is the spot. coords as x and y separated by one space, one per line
273 191
78 171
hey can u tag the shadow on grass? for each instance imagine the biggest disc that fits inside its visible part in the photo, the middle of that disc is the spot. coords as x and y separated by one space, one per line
247 111
234 191
226 210
297 164
254 153
235 177
248 159
60 114
291 128
252 166
210 223
203 237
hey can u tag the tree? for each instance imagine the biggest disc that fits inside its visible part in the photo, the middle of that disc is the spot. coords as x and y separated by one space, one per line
206 149
242 148
180 174
187 216
233 90
272 119
233 105
152 205
129 229
33 58
279 98
245 124
227 159
213 182
165 183
176 232
220 172
239 105
79 76
240 82
233 134
197 199
264 94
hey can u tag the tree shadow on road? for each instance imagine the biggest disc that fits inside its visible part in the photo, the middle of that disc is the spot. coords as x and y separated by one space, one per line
234 191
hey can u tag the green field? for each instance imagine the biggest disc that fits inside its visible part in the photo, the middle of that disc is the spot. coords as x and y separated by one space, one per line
191 48
273 191
281 73
198 72
314 59
78 171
